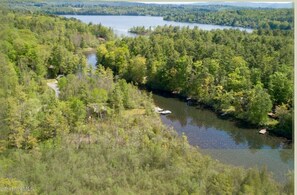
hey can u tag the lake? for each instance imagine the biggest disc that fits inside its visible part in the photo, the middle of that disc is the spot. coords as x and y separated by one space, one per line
122 24
221 139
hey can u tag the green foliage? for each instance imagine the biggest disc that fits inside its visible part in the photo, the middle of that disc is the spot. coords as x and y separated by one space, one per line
261 18
123 96
98 96
133 154
47 46
116 58
53 123
289 186
137 70
242 17
78 109
281 88
257 183
8 77
255 106
239 76
140 30
285 118
101 135
221 68
62 61
117 99
13 186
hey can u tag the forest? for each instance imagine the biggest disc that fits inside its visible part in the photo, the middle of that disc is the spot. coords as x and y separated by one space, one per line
101 133
245 75
249 17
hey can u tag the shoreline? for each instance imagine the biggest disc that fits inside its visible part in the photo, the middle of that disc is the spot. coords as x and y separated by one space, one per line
219 114
197 104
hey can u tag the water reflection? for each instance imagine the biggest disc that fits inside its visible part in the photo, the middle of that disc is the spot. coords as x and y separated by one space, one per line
222 139
269 158
204 126
225 141
122 24
92 59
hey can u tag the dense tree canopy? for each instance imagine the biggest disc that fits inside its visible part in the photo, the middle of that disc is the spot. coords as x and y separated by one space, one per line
228 15
212 65
100 134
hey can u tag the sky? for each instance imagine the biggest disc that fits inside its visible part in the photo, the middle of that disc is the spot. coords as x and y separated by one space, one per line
263 4
172 2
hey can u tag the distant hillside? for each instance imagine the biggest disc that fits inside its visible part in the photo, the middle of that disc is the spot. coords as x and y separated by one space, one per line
241 14
125 3
253 4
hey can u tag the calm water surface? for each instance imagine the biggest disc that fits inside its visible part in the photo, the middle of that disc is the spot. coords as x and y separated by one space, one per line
221 139
92 59
225 141
121 24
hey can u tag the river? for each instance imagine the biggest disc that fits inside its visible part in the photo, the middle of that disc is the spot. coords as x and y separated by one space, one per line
221 139
225 141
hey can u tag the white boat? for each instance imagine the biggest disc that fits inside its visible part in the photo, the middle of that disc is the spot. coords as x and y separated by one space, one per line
263 131
165 112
